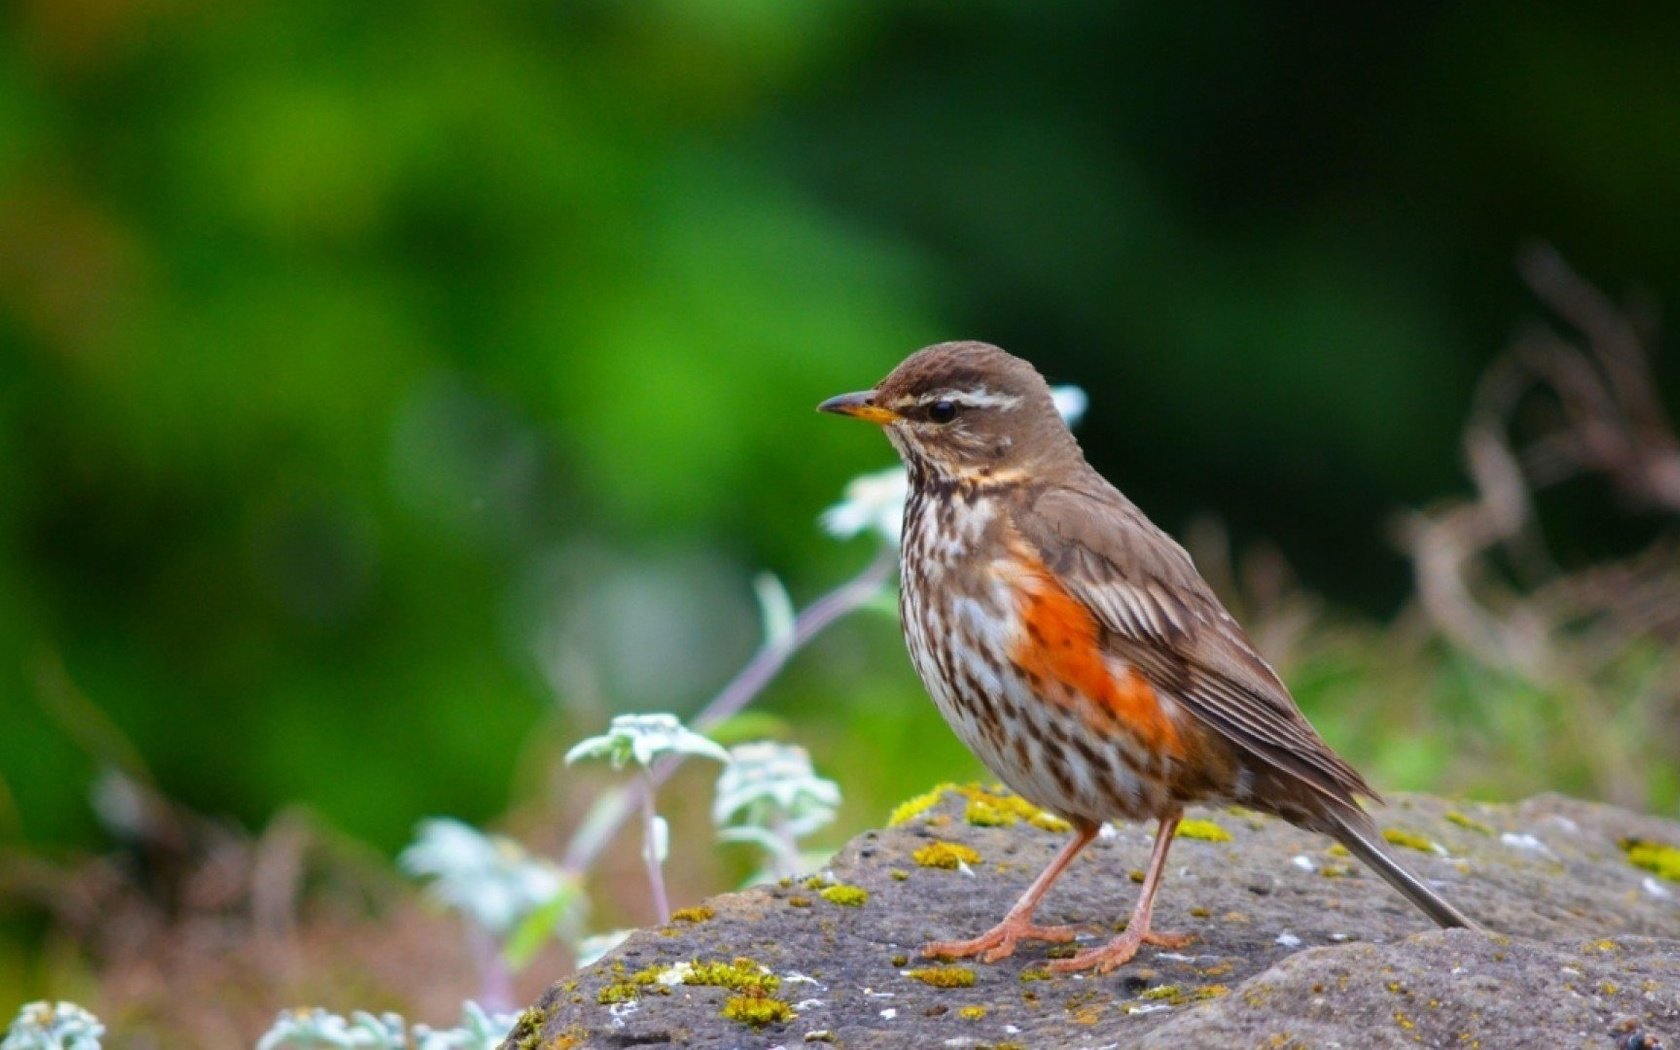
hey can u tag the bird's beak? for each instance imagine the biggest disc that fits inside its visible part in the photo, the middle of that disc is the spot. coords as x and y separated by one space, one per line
860 405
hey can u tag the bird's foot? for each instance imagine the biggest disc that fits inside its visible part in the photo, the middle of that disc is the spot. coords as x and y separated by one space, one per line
999 941
1119 951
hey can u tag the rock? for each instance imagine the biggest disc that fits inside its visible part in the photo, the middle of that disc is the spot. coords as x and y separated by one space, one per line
1295 943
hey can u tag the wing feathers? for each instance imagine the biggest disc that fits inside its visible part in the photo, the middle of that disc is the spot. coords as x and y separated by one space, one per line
1161 616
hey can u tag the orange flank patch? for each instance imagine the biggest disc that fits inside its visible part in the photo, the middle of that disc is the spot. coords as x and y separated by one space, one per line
1060 644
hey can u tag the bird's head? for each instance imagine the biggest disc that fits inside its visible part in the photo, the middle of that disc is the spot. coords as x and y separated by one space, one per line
966 412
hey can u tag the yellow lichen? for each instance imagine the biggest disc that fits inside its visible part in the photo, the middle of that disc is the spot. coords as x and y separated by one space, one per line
1034 975
797 901
1408 839
1653 857
911 808
846 896
629 988
527 1030
698 913
1200 912
1206 830
983 813
738 975
898 874
972 1013
900 960
948 855
1336 849
1049 822
1163 991
757 1012
1468 822
943 976
991 807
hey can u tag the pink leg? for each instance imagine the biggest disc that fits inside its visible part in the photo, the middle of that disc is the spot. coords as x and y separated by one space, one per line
999 941
1120 950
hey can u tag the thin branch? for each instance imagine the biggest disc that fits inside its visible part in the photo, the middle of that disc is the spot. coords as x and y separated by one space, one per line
592 837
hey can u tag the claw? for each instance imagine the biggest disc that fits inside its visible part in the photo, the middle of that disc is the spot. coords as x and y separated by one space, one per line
999 941
1118 952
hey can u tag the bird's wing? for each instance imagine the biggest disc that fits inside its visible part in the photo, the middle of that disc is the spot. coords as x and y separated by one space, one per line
1160 616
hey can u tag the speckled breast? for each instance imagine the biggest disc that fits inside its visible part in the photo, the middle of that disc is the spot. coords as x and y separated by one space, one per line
961 611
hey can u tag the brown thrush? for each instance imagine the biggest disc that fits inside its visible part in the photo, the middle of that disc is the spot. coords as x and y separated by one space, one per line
1073 646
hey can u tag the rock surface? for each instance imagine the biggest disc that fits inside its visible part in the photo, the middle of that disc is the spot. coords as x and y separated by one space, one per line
1294 943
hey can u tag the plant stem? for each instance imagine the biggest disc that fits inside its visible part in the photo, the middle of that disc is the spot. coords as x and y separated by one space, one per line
495 991
786 860
849 597
650 851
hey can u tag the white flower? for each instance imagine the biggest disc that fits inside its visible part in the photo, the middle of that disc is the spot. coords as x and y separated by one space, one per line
643 738
477 1031
53 1026
875 502
591 948
316 1029
1071 402
490 878
767 783
776 609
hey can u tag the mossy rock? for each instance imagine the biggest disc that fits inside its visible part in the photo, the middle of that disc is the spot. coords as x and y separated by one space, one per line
1587 941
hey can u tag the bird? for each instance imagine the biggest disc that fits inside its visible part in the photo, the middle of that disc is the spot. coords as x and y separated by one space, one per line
1073 646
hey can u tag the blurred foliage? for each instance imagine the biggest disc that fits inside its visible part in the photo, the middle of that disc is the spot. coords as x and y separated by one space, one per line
389 392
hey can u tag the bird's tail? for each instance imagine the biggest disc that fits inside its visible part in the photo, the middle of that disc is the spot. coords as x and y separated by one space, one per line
1355 831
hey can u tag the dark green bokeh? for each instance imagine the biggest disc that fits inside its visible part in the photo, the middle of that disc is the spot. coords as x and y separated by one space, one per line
380 383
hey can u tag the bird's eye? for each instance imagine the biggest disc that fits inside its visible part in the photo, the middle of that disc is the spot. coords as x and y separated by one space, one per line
942 411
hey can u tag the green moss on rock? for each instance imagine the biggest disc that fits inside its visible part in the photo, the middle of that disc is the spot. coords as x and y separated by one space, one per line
1653 857
1206 830
757 1012
740 975
1467 822
988 807
948 855
1408 839
943 976
911 808
846 896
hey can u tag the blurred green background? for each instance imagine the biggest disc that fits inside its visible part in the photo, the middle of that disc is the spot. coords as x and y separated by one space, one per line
391 391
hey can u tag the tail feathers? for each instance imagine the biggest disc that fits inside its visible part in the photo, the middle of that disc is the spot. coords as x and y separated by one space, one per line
1359 835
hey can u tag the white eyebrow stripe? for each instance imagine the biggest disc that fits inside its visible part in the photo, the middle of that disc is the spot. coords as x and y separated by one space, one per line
980 398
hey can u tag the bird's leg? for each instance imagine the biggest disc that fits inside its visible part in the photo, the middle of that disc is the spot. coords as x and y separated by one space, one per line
999 941
1120 950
